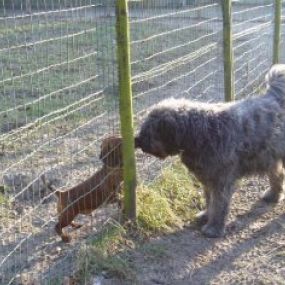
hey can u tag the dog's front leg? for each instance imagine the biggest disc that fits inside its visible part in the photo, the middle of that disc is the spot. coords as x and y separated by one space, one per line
202 217
218 211
276 178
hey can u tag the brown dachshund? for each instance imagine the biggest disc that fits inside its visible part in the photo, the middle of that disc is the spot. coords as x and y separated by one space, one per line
101 187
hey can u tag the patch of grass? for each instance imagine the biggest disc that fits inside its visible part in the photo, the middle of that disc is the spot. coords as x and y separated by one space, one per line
163 206
154 212
102 255
169 201
3 197
5 214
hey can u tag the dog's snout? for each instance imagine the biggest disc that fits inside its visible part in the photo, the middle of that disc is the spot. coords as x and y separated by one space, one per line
137 142
142 143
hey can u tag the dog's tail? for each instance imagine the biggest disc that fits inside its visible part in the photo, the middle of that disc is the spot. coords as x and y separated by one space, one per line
275 80
59 194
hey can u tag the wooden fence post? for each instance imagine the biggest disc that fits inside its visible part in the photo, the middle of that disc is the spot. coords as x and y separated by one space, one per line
228 51
126 112
277 31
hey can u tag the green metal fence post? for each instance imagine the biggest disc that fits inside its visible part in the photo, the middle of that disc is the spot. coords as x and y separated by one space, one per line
228 51
277 31
126 112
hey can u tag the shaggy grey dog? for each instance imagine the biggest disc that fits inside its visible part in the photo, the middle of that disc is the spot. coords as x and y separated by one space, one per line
221 143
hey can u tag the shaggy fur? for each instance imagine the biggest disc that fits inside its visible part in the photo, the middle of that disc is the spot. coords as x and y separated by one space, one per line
221 143
101 187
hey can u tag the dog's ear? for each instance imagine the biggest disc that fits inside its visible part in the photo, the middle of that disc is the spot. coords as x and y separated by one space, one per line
167 127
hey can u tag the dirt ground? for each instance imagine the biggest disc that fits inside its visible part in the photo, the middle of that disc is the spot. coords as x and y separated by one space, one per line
252 252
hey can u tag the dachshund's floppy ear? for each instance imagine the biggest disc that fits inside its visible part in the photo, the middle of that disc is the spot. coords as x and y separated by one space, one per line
111 152
102 152
101 155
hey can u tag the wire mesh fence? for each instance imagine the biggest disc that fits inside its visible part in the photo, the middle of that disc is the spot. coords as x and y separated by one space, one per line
60 98
283 35
253 45
176 52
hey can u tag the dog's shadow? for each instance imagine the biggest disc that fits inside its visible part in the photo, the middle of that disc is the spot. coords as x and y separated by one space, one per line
243 242
241 221
191 258
237 241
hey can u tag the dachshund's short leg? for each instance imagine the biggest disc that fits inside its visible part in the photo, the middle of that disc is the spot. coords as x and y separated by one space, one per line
65 219
76 225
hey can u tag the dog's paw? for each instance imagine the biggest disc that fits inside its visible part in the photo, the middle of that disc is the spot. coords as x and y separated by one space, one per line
270 196
211 231
66 238
201 218
76 225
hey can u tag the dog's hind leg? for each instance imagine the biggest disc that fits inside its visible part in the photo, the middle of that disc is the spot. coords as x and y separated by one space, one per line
218 210
276 179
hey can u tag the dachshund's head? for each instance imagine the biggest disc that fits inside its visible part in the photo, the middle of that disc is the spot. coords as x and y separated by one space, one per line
111 151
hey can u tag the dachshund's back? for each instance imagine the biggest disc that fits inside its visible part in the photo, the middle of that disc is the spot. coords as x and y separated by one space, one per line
102 187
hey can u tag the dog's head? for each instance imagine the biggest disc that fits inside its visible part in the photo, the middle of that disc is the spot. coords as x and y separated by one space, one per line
159 133
111 152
